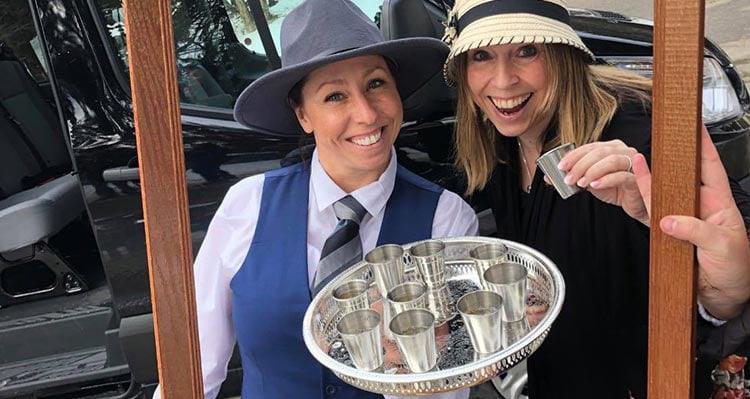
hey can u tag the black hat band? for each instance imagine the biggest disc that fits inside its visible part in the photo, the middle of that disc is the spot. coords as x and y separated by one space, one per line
499 7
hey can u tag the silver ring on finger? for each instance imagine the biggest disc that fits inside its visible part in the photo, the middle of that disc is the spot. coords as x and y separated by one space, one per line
630 163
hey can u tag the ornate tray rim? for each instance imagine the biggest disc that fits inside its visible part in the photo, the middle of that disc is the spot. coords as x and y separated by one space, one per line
513 354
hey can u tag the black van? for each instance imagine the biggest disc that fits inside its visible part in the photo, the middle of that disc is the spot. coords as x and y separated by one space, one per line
75 312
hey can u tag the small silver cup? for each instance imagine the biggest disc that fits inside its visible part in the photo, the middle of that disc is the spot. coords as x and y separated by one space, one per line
482 315
415 338
360 331
351 296
514 331
439 302
548 163
486 255
429 257
407 296
386 263
509 280
388 314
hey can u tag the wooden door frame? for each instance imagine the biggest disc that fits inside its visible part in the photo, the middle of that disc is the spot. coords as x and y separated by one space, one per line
676 127
161 160
678 62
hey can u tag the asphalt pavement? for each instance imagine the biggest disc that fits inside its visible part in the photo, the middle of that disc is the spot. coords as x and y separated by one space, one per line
727 23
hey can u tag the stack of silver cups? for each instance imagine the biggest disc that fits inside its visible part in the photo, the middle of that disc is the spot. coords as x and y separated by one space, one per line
429 258
411 309
502 299
359 326
408 316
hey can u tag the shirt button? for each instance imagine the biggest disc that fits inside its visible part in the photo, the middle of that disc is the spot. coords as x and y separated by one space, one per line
331 390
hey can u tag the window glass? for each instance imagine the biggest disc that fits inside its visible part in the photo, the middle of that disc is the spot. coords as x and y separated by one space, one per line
275 11
32 144
212 65
218 48
371 8
18 39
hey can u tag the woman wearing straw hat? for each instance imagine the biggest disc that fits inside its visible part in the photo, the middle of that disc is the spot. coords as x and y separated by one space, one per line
277 238
526 84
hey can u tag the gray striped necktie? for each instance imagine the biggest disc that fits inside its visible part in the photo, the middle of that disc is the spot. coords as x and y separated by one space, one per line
343 247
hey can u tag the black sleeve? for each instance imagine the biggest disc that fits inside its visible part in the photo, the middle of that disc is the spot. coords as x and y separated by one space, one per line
631 124
730 338
742 199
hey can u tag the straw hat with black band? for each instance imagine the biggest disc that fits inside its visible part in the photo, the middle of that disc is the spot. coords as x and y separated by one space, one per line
309 41
480 23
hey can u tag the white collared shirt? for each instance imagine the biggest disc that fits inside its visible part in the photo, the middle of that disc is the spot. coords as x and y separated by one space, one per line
232 229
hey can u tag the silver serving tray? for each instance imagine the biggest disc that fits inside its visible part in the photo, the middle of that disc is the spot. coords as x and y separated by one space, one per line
458 366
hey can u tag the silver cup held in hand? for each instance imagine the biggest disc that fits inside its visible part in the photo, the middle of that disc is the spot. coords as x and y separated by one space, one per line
486 255
430 259
360 331
386 263
482 315
548 163
351 295
509 280
415 338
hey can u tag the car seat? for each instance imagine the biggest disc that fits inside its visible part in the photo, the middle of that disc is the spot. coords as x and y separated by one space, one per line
33 148
408 18
197 86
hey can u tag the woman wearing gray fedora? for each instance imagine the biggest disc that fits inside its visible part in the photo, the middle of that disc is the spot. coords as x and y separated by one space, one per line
277 238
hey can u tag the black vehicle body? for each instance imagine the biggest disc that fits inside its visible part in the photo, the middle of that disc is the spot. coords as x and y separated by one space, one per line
99 343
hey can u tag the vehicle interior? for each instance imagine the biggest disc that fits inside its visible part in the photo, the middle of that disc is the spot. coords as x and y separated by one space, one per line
41 192
55 306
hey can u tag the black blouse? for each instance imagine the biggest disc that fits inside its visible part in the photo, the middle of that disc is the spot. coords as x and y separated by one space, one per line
597 346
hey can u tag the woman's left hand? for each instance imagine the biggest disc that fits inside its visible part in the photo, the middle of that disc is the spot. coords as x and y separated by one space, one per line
605 170
718 233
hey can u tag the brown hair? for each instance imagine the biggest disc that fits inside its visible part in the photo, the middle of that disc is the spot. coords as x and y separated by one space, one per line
581 100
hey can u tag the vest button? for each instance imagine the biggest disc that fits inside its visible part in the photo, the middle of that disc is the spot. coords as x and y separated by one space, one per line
331 390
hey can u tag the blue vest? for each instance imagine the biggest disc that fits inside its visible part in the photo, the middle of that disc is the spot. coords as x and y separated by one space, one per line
270 292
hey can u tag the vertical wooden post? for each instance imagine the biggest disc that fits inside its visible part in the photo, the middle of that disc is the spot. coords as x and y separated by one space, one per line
678 68
156 108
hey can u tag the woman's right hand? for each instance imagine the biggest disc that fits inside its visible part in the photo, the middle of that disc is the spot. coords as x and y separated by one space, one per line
604 169
719 234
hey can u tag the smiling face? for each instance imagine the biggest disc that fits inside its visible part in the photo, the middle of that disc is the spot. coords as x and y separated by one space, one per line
509 83
354 110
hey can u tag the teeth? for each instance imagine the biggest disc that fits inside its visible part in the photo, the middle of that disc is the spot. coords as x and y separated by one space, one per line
367 140
510 104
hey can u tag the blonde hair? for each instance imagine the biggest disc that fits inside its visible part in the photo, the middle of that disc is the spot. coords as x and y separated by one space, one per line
581 100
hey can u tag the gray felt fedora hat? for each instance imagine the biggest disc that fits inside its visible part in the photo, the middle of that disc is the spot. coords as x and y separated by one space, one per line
319 32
